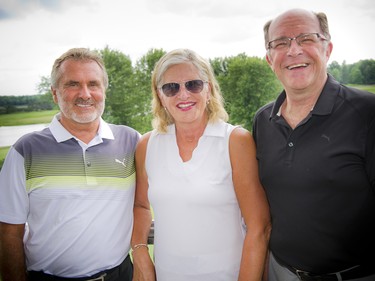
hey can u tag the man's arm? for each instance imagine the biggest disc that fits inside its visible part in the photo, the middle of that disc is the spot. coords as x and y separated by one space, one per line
12 256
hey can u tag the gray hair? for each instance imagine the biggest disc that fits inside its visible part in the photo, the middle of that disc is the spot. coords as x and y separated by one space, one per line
323 23
77 54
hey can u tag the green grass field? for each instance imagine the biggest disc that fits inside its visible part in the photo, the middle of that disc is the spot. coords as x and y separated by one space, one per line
27 118
369 88
23 118
3 153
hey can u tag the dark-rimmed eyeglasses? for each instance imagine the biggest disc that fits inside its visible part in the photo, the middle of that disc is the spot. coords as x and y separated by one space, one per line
193 86
304 39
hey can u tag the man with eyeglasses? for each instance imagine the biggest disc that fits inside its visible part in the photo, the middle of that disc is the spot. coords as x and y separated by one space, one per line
316 153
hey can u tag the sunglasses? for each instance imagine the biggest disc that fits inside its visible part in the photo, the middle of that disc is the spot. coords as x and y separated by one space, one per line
193 86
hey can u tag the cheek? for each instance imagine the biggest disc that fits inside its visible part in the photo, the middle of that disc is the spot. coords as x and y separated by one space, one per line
98 95
270 60
161 99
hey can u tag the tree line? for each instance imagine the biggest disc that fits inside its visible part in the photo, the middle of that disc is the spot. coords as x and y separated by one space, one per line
362 72
247 83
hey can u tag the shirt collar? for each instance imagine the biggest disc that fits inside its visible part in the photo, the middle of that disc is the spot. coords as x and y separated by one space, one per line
213 129
324 104
61 134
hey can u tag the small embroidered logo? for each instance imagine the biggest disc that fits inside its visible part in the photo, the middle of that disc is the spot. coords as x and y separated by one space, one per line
121 162
326 137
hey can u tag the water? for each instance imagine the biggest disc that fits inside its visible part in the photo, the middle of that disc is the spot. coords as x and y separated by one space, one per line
10 134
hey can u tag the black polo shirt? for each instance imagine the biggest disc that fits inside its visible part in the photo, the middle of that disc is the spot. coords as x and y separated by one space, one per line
320 180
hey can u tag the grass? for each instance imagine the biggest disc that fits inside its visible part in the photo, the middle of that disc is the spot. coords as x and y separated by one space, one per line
23 118
3 153
369 88
27 118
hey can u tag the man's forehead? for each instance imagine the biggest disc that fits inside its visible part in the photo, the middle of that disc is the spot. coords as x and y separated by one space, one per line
297 21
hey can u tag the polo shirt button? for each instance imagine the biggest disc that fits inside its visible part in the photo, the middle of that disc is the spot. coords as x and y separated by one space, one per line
88 164
290 144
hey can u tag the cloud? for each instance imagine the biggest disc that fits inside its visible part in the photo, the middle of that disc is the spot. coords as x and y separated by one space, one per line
42 30
22 8
209 8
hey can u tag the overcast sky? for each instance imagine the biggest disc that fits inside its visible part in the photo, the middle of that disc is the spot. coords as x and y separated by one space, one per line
35 32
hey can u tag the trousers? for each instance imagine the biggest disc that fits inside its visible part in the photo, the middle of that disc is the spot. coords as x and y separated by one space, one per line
122 272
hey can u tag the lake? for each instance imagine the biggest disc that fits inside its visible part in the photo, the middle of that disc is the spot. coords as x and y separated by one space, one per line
10 134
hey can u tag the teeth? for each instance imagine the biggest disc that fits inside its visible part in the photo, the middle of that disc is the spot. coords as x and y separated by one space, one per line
185 105
297 65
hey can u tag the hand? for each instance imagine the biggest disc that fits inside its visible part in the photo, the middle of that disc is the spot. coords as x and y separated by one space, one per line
144 269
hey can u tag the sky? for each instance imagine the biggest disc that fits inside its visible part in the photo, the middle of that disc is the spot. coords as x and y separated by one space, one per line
35 32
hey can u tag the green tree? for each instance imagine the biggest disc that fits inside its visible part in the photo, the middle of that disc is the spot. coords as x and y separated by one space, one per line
247 84
45 99
120 90
44 86
355 76
142 115
345 73
367 68
335 70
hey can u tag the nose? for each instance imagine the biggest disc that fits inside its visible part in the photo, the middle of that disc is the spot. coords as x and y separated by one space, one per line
294 48
183 93
84 92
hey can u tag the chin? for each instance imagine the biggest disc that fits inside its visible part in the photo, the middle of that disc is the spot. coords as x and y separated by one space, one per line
84 119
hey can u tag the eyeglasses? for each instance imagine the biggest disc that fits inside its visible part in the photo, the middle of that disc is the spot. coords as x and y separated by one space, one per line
304 39
193 86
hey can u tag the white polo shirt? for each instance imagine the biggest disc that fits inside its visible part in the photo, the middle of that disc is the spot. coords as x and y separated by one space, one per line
76 199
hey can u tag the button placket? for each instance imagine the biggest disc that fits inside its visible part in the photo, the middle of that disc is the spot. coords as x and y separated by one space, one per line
290 148
90 180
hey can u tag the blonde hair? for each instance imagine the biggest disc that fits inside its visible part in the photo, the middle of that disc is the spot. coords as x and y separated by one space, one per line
215 108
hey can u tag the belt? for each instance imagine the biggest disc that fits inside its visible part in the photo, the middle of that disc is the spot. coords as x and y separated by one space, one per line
105 275
347 274
354 272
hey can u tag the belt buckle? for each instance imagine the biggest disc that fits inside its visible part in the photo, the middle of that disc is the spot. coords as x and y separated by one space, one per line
303 275
307 276
100 278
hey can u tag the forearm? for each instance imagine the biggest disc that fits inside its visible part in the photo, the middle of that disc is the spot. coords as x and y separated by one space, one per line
143 265
12 257
142 225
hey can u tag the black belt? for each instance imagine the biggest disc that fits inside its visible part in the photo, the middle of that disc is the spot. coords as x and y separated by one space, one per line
347 274
354 272
100 276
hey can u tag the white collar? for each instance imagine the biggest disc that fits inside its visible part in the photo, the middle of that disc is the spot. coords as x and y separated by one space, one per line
61 134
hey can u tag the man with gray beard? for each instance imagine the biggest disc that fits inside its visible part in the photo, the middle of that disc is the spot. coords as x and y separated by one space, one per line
67 192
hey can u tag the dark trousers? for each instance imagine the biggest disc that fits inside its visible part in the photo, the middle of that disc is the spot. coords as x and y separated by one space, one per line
123 272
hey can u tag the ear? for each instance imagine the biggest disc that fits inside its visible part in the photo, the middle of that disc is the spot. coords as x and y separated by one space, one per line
329 50
269 60
54 95
209 91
